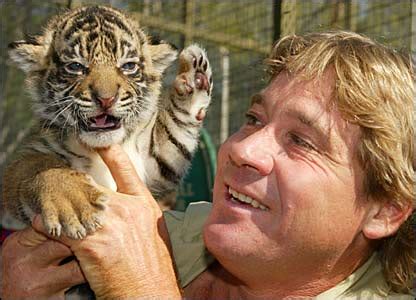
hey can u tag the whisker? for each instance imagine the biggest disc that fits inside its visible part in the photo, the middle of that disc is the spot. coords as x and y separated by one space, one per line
61 99
60 113
59 103
63 128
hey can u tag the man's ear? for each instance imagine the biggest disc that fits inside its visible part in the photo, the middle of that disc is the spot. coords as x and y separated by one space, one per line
162 56
28 54
385 218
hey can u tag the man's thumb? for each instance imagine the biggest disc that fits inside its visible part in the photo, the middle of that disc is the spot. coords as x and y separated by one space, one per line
122 170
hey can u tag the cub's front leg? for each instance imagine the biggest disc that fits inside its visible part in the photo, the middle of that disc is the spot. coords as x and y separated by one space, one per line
176 132
43 184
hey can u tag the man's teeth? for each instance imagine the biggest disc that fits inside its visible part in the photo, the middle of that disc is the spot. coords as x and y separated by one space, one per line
246 199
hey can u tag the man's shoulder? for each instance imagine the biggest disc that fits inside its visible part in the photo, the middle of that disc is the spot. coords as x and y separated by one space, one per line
367 282
185 232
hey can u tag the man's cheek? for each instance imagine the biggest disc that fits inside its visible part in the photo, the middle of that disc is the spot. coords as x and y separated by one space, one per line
223 157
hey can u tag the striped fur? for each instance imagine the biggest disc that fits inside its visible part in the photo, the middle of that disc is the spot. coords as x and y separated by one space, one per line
85 57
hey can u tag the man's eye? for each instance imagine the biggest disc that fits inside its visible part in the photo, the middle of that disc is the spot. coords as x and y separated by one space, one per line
129 67
252 120
75 68
301 142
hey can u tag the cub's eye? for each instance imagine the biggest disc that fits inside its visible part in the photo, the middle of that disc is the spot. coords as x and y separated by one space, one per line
129 67
75 68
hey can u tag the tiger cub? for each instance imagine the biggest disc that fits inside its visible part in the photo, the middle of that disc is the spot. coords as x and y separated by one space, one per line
95 79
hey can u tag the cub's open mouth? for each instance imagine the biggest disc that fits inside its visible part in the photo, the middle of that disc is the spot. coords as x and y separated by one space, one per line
103 122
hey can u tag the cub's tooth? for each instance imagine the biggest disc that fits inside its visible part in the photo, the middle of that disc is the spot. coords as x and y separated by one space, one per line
255 204
262 207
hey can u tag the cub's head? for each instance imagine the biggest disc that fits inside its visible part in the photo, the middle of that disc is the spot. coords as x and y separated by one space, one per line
93 71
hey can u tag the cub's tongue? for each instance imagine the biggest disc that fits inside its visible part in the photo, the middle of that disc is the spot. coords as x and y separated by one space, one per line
100 120
104 122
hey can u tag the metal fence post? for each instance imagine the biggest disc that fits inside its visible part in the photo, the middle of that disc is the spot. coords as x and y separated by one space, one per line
189 21
413 31
288 18
351 11
225 94
277 19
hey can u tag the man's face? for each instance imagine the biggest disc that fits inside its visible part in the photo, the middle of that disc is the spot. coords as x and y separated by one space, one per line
295 156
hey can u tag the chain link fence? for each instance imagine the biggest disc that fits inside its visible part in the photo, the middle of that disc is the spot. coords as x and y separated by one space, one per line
236 33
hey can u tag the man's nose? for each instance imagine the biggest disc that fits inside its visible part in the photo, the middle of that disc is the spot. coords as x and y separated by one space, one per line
253 151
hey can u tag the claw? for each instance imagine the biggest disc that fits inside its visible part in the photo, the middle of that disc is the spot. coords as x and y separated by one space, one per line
97 225
55 231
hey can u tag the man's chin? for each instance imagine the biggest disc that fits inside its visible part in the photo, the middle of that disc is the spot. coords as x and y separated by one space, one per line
223 242
102 139
217 236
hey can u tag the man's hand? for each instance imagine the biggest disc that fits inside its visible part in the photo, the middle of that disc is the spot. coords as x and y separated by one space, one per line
31 267
129 256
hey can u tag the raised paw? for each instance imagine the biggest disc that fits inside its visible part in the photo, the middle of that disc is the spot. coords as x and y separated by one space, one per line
192 87
194 72
70 203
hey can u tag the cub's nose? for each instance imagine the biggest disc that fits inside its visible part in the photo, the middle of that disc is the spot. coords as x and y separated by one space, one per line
107 102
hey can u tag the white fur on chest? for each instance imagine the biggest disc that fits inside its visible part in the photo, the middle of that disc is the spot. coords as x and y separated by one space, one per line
97 168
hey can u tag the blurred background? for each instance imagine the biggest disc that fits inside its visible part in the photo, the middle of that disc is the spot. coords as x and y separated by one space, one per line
236 33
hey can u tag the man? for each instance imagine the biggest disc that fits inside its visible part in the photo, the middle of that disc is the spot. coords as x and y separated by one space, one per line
312 198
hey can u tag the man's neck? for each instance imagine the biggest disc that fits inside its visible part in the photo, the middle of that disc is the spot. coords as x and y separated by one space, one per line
217 283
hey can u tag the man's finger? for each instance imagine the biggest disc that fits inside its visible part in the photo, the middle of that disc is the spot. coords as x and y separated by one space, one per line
70 274
61 278
52 252
46 251
30 238
122 170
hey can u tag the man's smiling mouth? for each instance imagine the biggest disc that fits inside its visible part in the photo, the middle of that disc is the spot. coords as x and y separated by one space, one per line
244 199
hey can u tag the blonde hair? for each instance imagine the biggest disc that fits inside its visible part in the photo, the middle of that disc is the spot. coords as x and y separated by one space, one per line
375 90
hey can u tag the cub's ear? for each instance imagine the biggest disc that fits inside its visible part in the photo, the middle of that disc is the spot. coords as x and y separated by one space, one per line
28 54
162 54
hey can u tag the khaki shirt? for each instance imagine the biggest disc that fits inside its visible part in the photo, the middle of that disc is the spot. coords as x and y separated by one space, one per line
192 258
